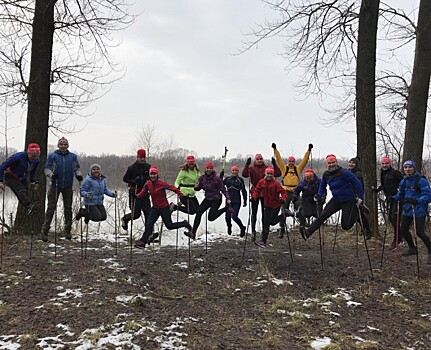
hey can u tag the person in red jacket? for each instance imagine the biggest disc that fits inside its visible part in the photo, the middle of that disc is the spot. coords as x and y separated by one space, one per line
157 190
274 195
256 172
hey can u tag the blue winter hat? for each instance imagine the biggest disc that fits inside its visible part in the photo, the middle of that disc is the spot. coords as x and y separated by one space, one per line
410 163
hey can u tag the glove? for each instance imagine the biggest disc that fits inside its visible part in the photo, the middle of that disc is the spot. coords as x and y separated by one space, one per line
273 162
282 201
248 161
310 146
88 196
54 177
79 178
221 175
244 204
273 145
115 194
358 201
34 186
410 200
317 198
294 199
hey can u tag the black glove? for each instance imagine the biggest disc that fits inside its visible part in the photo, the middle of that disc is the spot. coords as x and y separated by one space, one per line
221 174
273 145
248 161
294 199
317 199
310 146
273 162
410 200
79 178
244 204
54 177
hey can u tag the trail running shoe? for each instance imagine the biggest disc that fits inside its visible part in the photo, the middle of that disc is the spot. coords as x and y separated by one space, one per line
260 244
140 244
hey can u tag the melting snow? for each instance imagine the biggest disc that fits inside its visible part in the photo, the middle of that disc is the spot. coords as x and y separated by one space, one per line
320 343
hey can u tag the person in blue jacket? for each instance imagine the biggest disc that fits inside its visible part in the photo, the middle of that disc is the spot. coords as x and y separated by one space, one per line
18 172
60 169
414 194
235 187
347 196
93 190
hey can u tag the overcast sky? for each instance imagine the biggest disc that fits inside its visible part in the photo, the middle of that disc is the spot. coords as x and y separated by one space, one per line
183 76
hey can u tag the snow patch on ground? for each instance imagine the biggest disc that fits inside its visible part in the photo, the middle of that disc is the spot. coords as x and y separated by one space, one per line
320 343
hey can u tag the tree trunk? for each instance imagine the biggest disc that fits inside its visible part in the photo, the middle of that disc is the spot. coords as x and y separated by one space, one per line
365 95
419 88
39 100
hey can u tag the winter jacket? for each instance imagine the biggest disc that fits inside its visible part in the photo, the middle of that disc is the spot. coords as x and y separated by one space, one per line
271 191
136 175
235 186
61 167
212 185
389 181
19 166
343 184
256 172
291 178
186 180
422 194
358 173
308 188
157 190
93 190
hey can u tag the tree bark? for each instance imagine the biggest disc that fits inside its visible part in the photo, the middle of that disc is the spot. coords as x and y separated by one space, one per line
39 100
365 95
419 88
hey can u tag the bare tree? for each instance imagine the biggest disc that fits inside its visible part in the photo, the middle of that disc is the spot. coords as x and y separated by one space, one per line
147 137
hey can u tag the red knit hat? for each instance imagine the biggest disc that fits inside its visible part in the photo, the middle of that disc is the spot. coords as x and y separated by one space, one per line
141 153
330 157
309 172
209 165
386 160
154 170
234 168
62 141
190 159
258 156
291 159
33 148
269 170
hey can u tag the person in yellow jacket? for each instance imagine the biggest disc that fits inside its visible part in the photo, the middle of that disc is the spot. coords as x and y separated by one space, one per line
290 176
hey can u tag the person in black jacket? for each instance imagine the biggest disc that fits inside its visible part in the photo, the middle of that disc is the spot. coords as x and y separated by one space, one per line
136 176
353 167
235 187
390 179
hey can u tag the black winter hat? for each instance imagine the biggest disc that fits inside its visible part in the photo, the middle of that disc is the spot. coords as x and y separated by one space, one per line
355 160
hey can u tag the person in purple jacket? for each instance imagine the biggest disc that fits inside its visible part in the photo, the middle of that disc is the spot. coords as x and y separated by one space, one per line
18 172
213 187
347 196
309 186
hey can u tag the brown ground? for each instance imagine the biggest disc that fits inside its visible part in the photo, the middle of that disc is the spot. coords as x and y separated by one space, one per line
219 301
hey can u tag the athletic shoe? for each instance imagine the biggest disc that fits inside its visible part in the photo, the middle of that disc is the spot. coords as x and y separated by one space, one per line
229 230
140 244
368 235
32 207
393 246
68 236
190 234
242 233
44 237
411 251
188 226
253 236
260 244
172 207
124 224
288 213
152 237
304 233
281 232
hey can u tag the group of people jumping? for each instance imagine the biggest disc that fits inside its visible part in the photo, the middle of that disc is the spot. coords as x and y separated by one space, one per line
406 196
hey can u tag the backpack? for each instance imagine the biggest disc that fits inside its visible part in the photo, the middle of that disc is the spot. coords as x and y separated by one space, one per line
286 171
416 184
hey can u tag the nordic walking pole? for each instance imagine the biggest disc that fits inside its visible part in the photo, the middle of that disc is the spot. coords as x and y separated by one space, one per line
55 220
206 231
178 217
115 224
3 222
365 239
416 239
131 224
386 217
81 225
320 237
288 238
336 231
375 224
190 244
224 156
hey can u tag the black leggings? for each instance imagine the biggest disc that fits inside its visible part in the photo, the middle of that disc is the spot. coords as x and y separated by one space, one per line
406 222
213 214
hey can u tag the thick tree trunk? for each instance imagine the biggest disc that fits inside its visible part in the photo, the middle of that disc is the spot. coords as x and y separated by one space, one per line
365 95
39 99
419 88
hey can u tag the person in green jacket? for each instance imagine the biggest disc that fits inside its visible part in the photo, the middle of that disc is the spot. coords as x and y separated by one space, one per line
186 179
